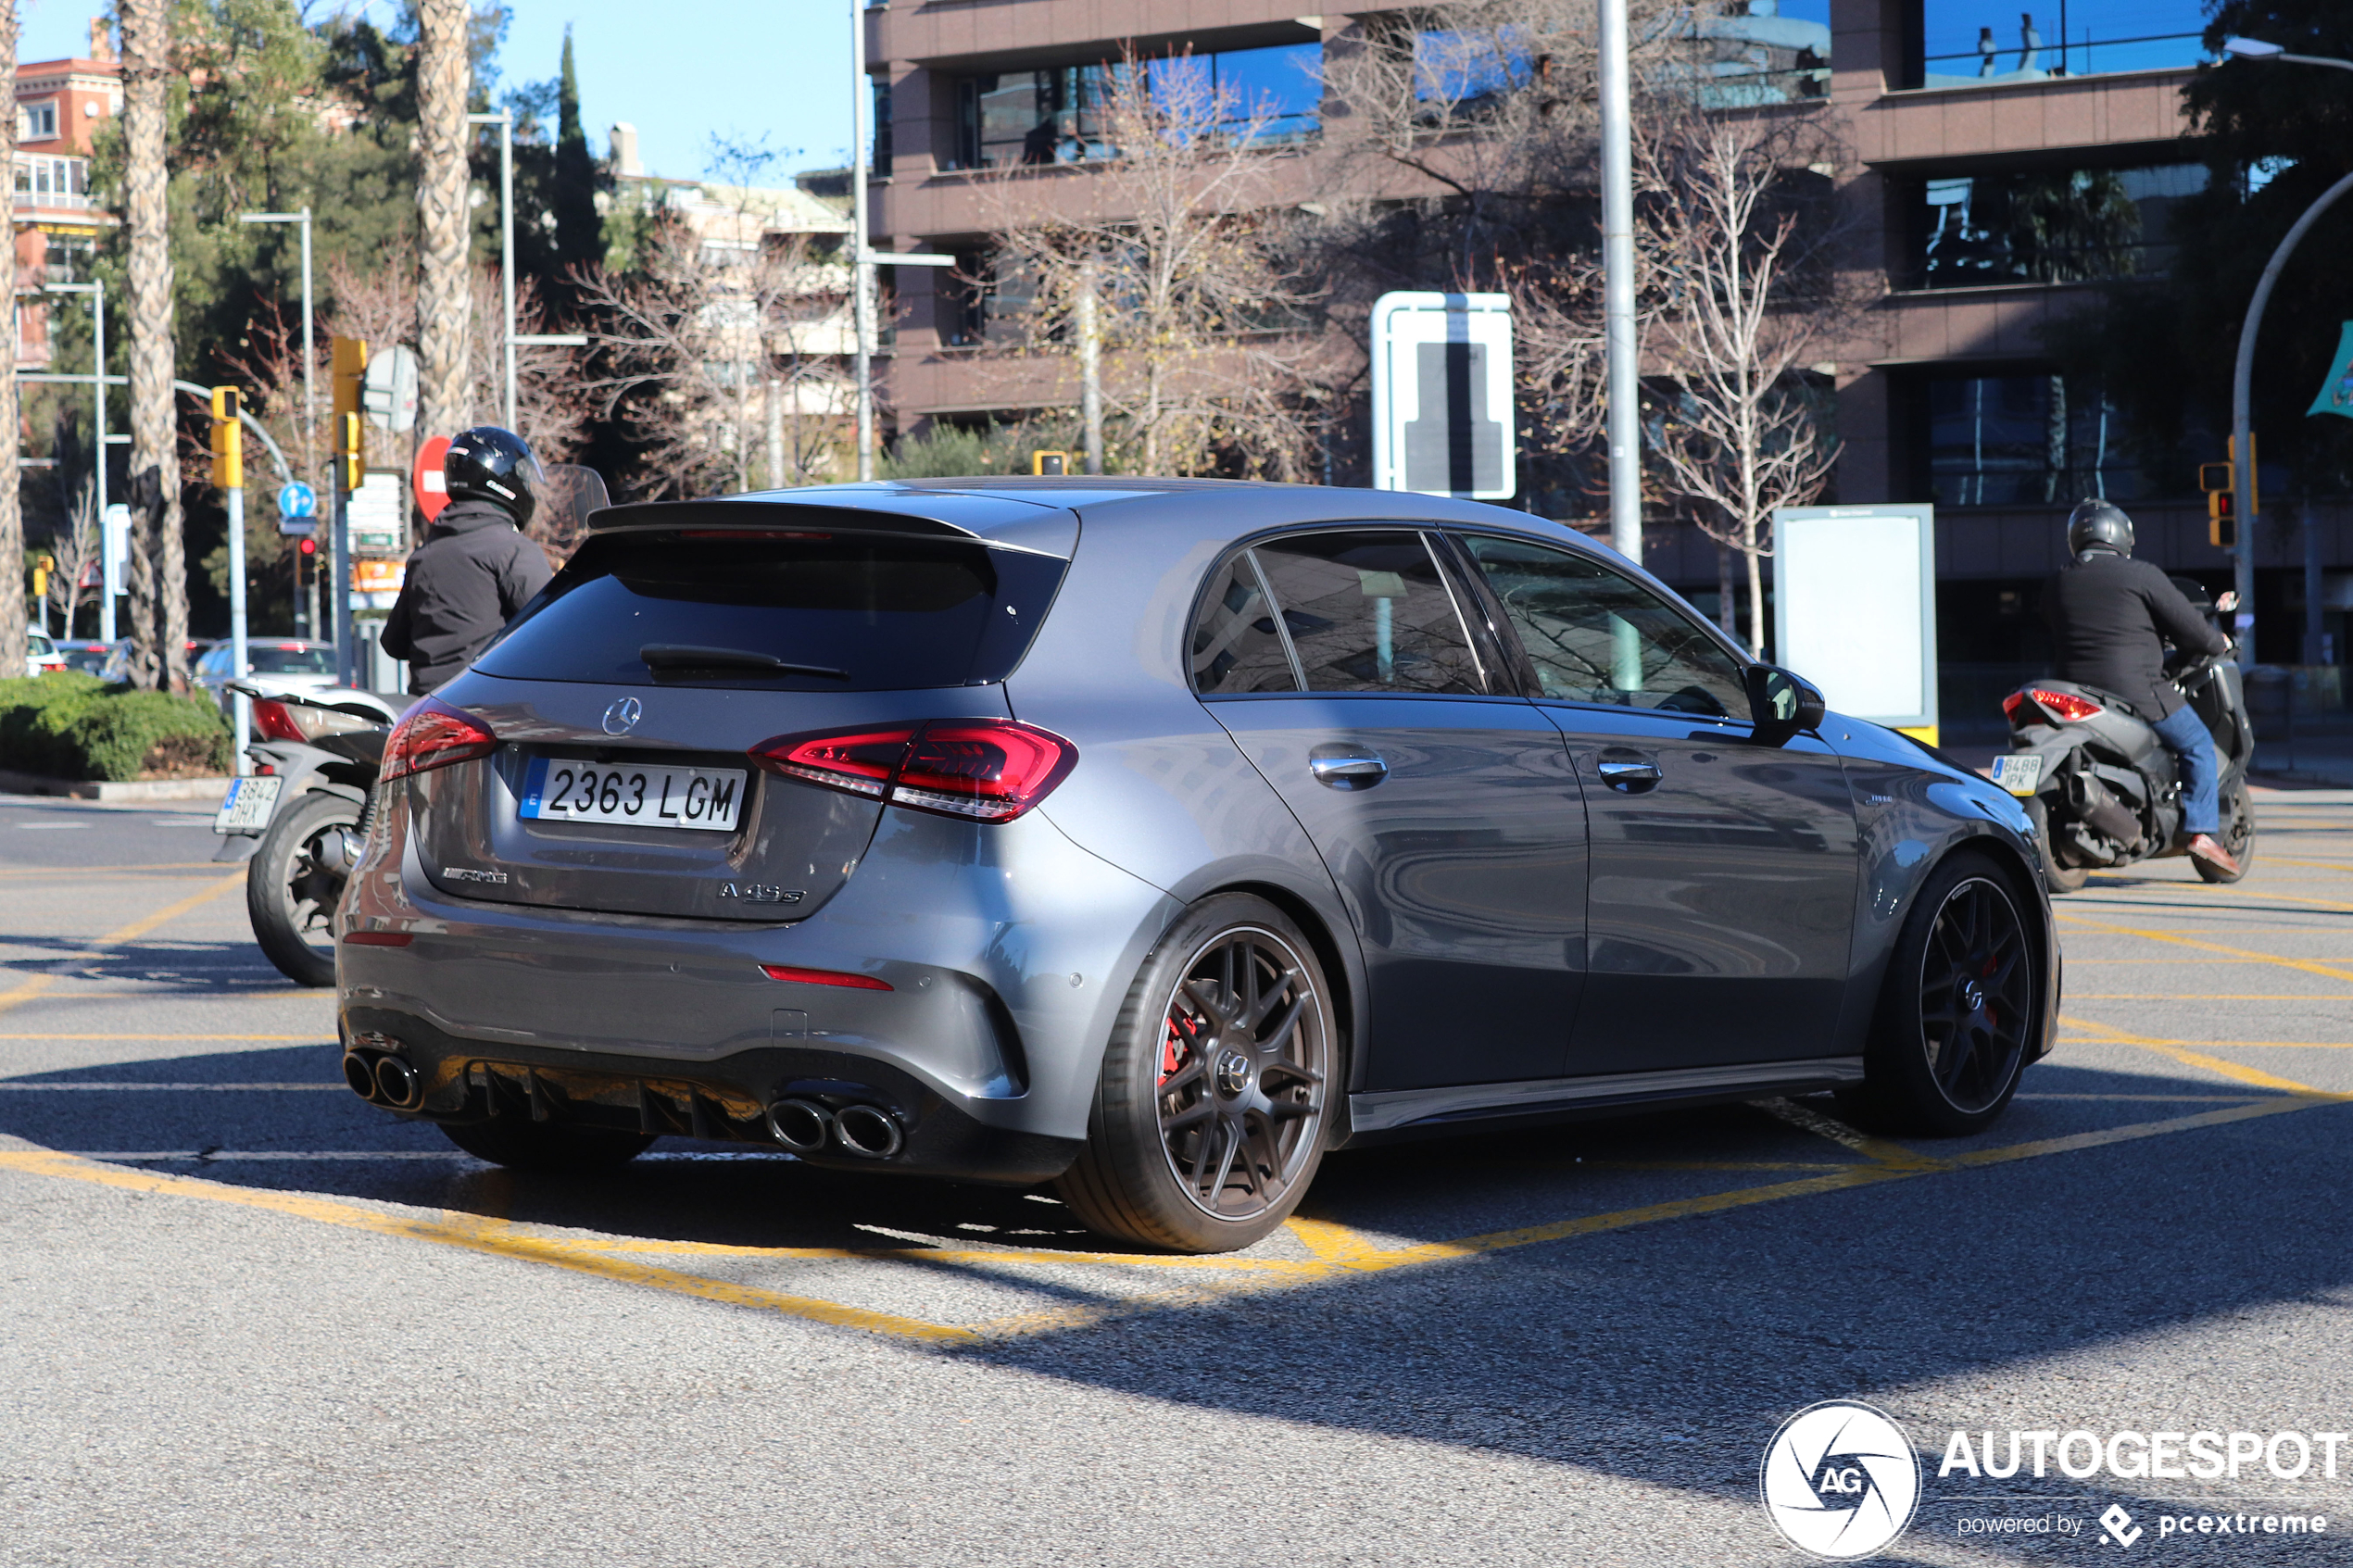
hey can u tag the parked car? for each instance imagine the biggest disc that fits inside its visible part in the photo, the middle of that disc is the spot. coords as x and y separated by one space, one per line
1151 838
41 654
283 664
90 658
118 666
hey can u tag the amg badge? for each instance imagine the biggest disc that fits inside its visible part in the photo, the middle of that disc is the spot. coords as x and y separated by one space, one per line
467 873
755 893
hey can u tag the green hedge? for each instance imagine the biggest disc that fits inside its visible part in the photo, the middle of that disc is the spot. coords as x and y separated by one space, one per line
75 726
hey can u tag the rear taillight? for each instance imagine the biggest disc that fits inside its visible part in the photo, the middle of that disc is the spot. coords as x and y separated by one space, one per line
274 723
433 734
981 770
2059 705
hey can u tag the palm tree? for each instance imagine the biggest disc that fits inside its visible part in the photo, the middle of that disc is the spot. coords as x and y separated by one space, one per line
11 514
444 301
159 592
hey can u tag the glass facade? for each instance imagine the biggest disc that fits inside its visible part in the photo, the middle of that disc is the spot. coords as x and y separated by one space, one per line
1058 115
1774 52
2031 440
1986 43
2048 226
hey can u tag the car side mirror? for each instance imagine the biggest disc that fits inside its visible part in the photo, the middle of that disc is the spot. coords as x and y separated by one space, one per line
1781 703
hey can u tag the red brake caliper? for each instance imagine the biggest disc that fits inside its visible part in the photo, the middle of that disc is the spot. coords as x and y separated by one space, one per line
1174 1052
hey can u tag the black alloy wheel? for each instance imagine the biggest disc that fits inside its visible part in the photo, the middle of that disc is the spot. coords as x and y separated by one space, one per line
294 883
1210 1115
1961 1009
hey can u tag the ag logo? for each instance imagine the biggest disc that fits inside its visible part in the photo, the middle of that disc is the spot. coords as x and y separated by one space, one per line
622 716
1839 1480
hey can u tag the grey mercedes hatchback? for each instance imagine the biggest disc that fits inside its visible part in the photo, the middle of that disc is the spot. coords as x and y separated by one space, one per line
1151 839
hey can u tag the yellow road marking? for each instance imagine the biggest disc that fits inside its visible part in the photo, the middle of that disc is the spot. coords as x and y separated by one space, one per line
2181 1051
2201 996
132 932
494 1237
1808 1119
1330 1241
80 871
2332 972
314 1038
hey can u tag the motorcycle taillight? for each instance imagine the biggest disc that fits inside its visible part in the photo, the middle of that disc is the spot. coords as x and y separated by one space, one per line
2065 706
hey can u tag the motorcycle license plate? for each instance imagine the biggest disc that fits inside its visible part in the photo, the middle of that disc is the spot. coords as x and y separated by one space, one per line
246 806
2020 773
656 795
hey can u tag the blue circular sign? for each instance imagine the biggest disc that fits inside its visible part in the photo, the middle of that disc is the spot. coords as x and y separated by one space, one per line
297 499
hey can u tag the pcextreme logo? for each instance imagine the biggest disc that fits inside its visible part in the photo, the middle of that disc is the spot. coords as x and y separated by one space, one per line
1839 1480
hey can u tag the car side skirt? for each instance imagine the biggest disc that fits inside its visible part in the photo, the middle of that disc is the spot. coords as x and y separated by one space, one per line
1378 1118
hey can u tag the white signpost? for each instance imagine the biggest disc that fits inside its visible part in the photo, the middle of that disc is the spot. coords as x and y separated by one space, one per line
1443 420
1855 608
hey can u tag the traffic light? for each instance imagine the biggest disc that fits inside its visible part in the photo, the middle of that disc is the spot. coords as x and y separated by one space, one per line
42 567
228 438
351 443
1052 463
306 547
350 373
2220 481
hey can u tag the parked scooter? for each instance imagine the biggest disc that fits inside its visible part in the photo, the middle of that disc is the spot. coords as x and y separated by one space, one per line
2103 790
295 819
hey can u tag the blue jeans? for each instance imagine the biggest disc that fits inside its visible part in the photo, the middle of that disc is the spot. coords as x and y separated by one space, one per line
2187 737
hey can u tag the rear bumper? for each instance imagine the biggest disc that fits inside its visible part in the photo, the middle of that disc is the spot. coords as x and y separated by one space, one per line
724 1100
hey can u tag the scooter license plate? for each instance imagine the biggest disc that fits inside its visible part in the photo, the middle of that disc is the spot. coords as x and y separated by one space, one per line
246 806
2020 773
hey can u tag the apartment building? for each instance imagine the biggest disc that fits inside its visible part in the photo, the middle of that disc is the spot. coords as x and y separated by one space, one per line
1954 112
60 105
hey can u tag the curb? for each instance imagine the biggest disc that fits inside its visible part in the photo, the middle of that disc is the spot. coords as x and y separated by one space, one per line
106 789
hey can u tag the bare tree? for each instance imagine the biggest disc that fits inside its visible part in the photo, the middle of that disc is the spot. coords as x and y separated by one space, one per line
75 549
12 626
158 549
444 390
1178 278
1738 236
719 353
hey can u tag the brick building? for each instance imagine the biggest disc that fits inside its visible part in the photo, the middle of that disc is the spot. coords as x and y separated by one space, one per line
60 105
1948 394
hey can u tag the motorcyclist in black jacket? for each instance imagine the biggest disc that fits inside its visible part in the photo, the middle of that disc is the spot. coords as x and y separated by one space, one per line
2110 617
476 568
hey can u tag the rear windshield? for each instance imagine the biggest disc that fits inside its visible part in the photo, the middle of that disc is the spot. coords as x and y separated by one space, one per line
269 659
890 613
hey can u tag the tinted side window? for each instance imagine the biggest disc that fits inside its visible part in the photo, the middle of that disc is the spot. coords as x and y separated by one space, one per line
1595 637
1235 646
1367 611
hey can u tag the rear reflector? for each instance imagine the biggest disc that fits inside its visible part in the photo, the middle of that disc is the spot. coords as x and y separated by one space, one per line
980 770
433 734
824 977
377 938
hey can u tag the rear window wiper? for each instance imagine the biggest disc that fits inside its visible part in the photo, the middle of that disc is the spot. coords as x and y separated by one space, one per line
687 655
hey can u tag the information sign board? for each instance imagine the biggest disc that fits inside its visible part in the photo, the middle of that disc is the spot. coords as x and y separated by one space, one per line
1442 372
1855 608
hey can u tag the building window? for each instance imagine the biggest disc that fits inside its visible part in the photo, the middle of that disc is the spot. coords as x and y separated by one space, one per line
52 182
880 160
1058 115
2033 440
37 123
1989 42
2048 226
1774 52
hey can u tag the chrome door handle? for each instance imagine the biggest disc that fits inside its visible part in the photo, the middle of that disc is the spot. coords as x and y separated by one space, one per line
1348 772
1621 774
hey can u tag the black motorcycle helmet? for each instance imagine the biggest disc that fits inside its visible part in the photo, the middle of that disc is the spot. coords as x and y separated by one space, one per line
2098 525
493 465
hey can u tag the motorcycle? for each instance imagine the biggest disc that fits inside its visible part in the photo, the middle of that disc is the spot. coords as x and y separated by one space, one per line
2103 790
300 817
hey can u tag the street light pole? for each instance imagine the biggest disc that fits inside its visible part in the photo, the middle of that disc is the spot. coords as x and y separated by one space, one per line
309 403
505 120
862 273
1618 286
2255 51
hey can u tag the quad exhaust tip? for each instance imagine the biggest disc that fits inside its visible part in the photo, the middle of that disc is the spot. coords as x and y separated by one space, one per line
868 1130
801 1125
382 1079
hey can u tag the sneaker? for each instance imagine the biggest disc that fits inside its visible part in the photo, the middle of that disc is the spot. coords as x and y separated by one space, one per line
2213 854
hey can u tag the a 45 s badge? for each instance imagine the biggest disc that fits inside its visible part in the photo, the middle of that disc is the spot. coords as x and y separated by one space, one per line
1839 1480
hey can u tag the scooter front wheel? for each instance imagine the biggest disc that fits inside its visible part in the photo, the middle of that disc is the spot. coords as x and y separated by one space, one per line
2238 839
2062 879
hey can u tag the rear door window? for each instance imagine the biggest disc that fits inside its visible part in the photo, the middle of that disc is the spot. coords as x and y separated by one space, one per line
794 611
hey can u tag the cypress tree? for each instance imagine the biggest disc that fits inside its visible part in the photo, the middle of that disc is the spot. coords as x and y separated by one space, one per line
580 238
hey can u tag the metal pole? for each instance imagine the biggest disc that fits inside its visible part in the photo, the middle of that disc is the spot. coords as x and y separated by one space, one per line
1090 370
1618 285
240 704
98 389
507 244
861 271
2242 397
309 358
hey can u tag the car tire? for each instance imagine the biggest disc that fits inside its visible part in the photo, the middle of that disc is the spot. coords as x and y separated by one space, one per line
1212 1107
2239 839
1960 1009
294 883
548 1148
2062 879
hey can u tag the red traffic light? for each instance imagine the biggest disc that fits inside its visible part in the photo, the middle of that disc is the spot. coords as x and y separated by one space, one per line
308 546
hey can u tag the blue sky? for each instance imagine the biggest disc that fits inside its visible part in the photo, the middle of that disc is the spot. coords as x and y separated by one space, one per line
677 70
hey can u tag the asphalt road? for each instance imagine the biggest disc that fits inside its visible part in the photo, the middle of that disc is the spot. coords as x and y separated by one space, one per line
250 1320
